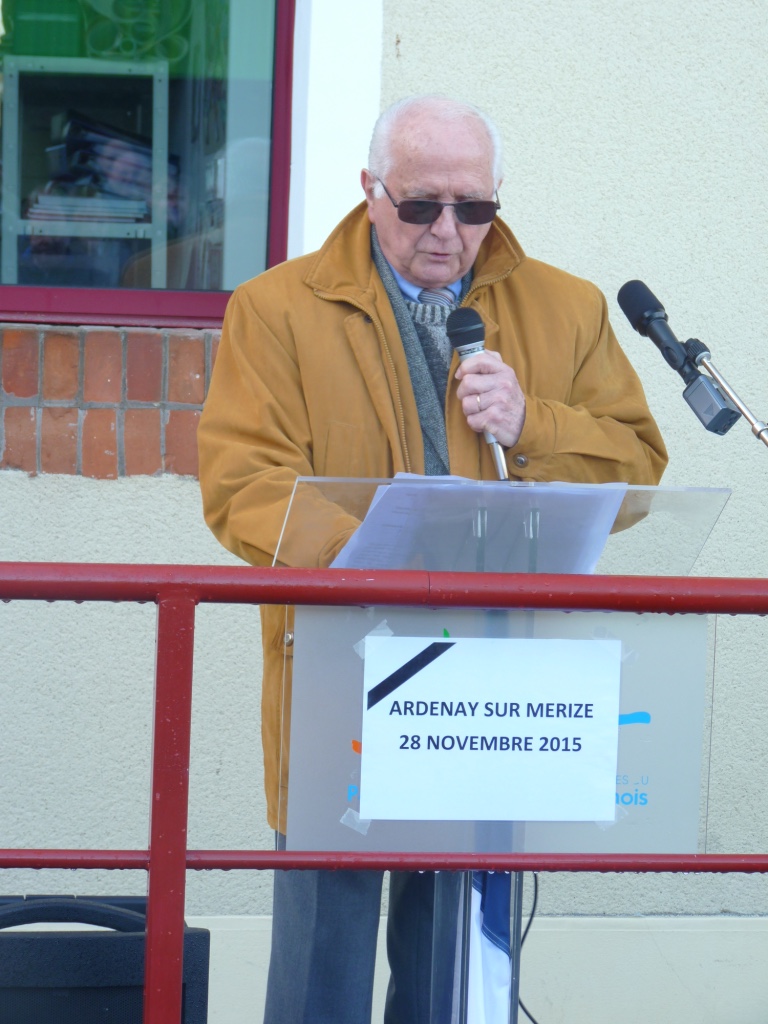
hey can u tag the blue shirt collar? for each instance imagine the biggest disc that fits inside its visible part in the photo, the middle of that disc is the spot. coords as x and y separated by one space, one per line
411 291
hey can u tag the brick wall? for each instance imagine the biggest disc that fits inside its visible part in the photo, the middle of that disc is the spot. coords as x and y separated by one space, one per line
102 402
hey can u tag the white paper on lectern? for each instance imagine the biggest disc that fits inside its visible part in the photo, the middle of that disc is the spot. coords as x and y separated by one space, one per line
451 523
491 729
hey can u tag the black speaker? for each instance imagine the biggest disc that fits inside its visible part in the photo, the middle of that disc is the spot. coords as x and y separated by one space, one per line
87 977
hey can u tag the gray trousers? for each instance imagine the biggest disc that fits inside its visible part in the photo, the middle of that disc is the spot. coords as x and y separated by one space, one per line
324 929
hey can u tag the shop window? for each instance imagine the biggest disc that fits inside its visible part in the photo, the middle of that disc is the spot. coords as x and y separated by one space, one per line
139 154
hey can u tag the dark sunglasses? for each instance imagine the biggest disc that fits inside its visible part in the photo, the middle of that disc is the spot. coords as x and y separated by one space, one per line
426 211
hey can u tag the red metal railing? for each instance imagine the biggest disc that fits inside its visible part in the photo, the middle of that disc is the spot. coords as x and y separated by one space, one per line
178 589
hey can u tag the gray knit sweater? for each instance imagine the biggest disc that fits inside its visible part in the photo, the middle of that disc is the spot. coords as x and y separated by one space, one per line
428 351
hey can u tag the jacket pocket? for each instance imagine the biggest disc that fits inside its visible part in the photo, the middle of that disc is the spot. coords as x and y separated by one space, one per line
344 451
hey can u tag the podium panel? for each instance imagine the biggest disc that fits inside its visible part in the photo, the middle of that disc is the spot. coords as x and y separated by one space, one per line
661 767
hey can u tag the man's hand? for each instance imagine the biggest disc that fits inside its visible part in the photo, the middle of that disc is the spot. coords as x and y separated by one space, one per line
491 398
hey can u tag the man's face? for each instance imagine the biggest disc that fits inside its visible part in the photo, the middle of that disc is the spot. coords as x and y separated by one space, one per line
433 160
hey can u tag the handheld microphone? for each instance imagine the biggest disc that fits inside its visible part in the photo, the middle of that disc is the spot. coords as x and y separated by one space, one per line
466 333
649 318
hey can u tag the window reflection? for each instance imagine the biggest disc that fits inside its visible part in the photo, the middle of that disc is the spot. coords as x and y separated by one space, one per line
136 142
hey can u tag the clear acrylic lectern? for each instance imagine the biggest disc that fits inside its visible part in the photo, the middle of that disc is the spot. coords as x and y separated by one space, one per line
634 785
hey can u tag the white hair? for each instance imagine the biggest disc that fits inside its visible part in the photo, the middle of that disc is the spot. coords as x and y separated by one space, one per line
445 110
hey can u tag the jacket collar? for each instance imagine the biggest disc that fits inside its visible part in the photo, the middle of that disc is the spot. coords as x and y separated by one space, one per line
343 267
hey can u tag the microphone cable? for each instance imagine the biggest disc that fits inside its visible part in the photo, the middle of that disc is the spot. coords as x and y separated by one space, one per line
531 916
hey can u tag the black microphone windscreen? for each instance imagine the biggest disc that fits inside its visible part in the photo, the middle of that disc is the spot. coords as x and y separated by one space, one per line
637 302
465 327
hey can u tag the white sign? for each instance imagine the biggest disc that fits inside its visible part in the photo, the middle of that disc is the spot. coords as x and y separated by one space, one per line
490 729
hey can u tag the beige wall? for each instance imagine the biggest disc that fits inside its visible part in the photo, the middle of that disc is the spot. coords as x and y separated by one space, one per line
635 147
76 692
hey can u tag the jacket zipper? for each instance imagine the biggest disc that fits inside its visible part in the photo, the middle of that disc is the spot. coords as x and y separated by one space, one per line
485 284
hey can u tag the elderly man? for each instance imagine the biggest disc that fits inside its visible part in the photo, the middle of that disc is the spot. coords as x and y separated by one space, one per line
338 364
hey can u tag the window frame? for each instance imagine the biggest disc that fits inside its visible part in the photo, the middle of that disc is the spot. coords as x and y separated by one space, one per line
163 307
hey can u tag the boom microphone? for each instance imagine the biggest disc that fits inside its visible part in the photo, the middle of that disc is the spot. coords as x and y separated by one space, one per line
649 318
466 333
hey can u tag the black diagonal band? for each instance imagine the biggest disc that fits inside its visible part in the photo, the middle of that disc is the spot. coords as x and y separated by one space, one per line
407 671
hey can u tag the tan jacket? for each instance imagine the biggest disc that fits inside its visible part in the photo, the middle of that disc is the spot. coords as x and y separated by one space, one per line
311 379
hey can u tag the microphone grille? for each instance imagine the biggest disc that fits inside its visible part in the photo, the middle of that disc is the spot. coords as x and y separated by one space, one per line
639 304
465 327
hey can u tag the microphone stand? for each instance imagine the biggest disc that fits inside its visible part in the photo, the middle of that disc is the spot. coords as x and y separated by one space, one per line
701 356
506 832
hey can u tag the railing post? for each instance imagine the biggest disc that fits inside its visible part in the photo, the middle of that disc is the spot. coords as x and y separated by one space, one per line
168 809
